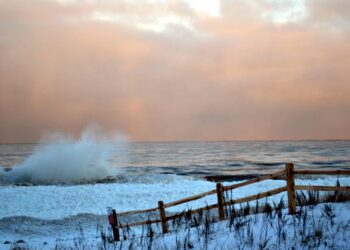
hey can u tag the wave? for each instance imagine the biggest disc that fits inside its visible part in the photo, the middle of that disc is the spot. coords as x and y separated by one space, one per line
331 163
67 160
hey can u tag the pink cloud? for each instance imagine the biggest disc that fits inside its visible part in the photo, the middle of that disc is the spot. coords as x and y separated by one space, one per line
236 76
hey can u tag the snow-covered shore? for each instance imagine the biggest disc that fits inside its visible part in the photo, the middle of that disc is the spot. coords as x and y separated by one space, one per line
61 201
47 215
324 226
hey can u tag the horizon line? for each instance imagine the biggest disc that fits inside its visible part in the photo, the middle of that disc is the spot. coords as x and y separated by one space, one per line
203 141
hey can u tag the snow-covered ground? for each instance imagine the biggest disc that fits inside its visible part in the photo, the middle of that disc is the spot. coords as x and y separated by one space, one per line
58 202
313 228
44 216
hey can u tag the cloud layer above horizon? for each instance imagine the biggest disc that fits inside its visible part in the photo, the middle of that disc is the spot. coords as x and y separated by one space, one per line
176 70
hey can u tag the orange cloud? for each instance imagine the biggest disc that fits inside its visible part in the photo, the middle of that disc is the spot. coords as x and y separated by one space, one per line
235 76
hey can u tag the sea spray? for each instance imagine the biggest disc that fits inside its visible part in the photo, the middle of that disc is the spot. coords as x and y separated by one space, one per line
63 159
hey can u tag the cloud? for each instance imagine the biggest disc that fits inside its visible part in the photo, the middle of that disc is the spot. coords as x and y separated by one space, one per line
234 75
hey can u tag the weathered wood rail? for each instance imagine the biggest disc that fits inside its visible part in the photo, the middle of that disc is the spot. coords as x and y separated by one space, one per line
289 174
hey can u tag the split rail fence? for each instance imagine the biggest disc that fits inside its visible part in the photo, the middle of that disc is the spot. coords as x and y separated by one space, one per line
290 188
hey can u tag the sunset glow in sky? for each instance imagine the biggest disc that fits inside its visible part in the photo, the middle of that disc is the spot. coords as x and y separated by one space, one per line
176 70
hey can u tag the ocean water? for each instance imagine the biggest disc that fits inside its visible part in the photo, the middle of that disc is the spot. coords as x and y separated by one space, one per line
195 159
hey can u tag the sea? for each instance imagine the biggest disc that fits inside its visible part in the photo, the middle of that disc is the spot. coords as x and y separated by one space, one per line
195 159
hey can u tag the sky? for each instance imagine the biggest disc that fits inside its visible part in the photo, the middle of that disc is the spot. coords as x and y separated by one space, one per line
160 70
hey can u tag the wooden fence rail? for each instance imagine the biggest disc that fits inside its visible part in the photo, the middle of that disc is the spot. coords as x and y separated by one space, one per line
290 187
188 199
255 180
256 196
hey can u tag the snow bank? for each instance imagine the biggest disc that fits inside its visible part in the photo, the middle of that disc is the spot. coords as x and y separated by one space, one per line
135 192
313 229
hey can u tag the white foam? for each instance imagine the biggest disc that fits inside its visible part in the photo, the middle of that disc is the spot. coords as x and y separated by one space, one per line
64 159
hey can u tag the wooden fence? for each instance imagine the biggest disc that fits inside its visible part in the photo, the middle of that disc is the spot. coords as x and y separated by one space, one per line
290 188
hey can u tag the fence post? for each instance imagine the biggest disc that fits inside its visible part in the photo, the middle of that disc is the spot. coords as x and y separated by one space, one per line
113 221
290 188
219 192
163 216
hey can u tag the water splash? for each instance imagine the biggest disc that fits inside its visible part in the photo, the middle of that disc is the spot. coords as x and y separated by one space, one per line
63 159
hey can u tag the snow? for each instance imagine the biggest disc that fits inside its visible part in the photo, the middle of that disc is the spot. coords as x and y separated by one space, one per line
249 232
57 202
44 216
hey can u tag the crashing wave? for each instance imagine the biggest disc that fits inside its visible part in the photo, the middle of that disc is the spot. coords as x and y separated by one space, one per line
67 160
